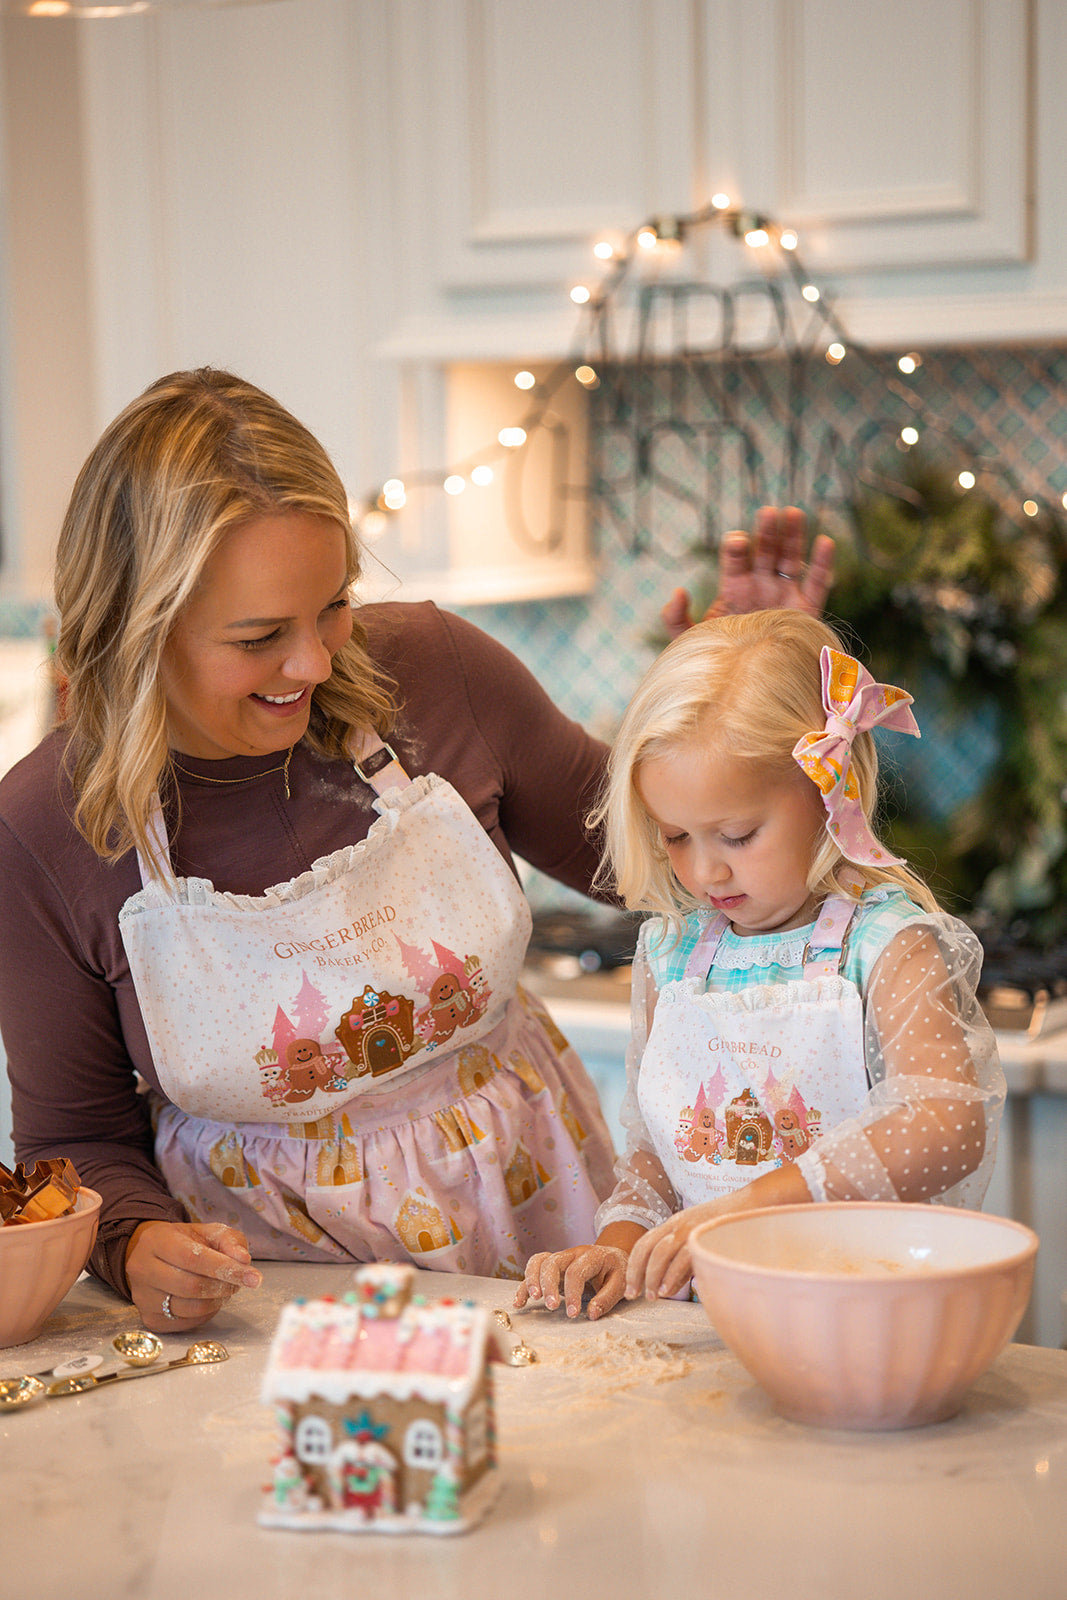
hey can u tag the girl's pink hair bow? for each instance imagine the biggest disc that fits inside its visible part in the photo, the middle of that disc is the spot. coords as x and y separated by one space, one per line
854 703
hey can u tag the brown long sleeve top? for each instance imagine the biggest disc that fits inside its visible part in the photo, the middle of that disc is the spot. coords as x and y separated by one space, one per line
71 1024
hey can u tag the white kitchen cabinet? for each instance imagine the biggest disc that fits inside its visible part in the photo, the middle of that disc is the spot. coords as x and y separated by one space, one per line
892 137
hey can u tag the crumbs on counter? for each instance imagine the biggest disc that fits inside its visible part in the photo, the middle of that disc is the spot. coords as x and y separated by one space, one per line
47 1190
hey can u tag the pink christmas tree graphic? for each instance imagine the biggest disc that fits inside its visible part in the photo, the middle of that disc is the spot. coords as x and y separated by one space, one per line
310 1007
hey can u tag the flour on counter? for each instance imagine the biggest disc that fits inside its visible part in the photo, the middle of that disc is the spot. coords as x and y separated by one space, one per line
622 1361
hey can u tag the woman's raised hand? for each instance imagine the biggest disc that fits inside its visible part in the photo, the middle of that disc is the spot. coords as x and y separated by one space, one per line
600 1267
186 1269
764 572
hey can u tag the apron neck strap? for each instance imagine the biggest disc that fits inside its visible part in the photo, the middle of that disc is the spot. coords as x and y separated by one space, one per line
822 958
376 762
159 847
702 955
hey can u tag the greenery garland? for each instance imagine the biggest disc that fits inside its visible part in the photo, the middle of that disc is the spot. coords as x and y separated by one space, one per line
949 597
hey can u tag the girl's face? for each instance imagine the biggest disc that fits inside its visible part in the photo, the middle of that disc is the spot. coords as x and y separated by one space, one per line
270 612
736 840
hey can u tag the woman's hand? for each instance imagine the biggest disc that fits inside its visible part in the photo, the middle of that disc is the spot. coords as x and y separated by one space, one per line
193 1267
600 1267
765 573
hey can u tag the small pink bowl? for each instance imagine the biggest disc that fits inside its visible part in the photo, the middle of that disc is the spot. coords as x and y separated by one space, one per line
38 1263
864 1315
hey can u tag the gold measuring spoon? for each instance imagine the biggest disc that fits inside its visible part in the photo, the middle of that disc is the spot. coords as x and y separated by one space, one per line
138 1349
20 1391
521 1355
204 1353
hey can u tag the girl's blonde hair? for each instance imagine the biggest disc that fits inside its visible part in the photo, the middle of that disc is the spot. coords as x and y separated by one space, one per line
194 456
745 687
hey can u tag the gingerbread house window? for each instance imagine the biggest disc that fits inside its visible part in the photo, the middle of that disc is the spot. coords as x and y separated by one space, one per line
313 1441
423 1445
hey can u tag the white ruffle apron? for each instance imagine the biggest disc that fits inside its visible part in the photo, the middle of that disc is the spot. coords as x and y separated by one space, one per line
734 1083
350 1066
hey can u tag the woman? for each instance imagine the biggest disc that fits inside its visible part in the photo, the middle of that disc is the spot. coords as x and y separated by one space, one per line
260 937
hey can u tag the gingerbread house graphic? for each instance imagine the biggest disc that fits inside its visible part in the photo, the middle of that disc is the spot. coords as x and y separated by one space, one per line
384 1406
378 1032
749 1135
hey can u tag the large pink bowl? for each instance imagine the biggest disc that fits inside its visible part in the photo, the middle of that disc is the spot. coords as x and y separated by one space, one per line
863 1315
38 1263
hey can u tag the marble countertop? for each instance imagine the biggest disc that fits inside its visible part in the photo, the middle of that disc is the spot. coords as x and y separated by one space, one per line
638 1460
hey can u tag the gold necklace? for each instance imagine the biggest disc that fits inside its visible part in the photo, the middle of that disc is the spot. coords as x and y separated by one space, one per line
202 777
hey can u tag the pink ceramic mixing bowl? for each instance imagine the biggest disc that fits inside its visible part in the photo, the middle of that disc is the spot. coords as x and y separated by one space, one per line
857 1315
38 1263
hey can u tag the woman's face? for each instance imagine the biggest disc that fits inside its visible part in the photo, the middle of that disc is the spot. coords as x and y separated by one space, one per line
270 612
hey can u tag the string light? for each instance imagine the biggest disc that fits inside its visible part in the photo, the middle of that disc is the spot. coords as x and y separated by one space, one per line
659 235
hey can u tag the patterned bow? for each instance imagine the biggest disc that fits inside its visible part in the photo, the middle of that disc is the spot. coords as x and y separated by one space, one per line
854 703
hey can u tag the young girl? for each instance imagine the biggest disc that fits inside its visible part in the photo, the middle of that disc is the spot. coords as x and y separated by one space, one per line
805 1024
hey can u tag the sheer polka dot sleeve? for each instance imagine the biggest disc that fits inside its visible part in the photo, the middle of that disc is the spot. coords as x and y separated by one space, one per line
643 1192
928 1128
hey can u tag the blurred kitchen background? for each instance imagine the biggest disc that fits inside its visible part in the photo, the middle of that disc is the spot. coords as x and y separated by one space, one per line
568 290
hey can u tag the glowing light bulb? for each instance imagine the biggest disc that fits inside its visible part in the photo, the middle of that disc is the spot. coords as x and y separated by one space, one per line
587 375
648 238
835 354
966 480
1031 507
524 380
512 438
455 483
603 250
757 238
907 364
788 239
580 294
909 435
394 494
721 202
482 476
810 292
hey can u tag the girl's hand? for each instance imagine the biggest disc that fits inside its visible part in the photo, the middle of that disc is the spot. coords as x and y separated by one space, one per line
199 1265
601 1267
765 572
660 1265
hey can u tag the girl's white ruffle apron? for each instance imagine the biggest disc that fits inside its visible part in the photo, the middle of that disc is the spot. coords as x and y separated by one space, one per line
350 1066
734 1083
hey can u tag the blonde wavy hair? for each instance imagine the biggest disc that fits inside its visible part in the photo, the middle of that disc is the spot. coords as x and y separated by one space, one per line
194 456
747 687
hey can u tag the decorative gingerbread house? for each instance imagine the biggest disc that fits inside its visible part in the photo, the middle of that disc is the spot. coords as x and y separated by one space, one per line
384 1407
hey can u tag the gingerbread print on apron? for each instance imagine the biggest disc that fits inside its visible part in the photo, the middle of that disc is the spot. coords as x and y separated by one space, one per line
349 1063
735 1082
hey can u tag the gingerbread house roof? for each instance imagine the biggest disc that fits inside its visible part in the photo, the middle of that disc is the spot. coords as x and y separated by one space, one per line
346 1349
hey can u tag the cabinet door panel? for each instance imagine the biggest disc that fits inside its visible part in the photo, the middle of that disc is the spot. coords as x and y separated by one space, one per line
894 135
554 122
